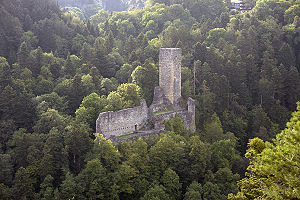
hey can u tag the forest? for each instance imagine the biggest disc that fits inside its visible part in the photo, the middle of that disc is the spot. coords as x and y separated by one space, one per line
62 62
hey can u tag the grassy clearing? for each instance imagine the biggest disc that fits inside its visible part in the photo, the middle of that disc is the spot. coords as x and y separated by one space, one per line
127 135
163 111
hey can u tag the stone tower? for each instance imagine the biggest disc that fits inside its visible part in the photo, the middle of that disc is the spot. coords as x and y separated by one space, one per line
170 73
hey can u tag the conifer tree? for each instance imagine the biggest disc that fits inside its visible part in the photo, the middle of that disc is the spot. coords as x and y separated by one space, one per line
274 168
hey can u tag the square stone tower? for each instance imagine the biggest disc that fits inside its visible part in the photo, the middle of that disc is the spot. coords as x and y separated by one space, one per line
170 73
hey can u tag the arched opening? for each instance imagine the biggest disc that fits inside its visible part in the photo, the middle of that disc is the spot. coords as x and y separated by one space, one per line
135 127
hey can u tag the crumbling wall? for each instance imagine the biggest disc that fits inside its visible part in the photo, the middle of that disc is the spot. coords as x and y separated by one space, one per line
187 117
166 98
122 122
160 101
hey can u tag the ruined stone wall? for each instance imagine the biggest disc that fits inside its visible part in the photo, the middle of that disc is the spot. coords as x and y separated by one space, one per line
170 72
122 122
166 98
187 117
160 101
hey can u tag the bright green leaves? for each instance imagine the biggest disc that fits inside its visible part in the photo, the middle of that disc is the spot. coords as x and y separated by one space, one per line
256 146
106 151
274 168
146 77
90 108
130 94
127 95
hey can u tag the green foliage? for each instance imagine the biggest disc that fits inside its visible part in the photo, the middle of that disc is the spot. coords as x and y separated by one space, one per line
90 108
105 151
194 191
212 191
82 9
7 128
4 192
60 68
54 158
11 102
47 191
25 148
224 154
226 180
236 125
48 120
129 176
262 122
23 188
108 85
114 99
79 144
100 17
170 180
156 192
166 153
93 180
147 78
74 11
213 129
53 101
273 170
198 156
175 125
123 75
6 169
130 94
68 188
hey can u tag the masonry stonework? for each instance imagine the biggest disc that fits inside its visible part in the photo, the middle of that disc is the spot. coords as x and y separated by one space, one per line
166 104
122 122
170 73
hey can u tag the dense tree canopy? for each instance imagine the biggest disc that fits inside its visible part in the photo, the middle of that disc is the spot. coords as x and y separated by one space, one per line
64 62
274 168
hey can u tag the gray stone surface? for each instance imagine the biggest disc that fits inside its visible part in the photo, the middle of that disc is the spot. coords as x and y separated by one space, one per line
123 121
164 106
160 101
170 73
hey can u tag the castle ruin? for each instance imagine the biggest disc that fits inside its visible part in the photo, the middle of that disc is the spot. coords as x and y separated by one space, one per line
170 73
167 103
